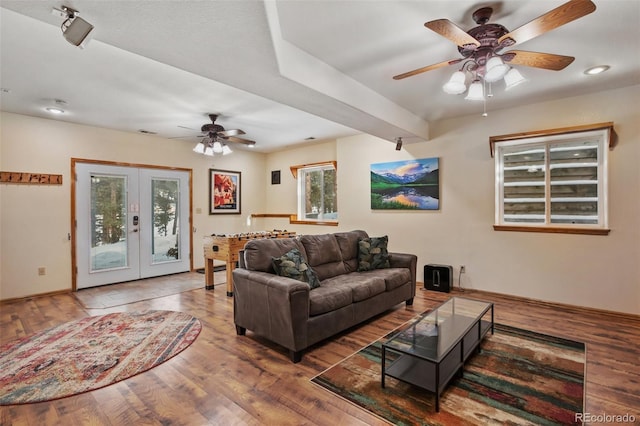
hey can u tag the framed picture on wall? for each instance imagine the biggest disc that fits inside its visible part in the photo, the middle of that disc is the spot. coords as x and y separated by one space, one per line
275 177
406 185
224 192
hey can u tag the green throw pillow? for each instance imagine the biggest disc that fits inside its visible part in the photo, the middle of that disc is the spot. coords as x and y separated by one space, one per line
293 265
373 254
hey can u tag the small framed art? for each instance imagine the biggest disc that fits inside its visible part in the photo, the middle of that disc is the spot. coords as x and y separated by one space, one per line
275 177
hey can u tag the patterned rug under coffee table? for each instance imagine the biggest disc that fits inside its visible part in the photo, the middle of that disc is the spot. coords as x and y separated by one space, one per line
518 377
91 353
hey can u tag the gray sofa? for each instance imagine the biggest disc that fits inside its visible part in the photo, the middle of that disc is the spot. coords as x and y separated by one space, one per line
288 312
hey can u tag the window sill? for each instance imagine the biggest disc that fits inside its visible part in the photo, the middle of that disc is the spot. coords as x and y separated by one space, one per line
552 230
293 219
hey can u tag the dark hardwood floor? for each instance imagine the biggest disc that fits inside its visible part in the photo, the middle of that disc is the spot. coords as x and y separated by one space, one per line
224 379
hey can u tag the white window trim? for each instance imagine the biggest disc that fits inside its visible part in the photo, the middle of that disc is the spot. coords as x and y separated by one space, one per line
311 166
605 136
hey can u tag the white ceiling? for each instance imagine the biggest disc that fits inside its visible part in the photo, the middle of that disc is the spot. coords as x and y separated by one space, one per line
284 71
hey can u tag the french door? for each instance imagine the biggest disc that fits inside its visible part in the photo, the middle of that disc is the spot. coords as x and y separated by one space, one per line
130 223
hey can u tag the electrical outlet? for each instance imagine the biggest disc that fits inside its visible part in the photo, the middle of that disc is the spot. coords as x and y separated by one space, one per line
42 270
463 269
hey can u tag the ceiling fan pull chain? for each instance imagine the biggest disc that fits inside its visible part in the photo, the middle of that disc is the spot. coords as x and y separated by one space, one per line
484 99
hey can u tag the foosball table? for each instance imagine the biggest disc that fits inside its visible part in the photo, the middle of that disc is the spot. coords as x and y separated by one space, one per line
226 247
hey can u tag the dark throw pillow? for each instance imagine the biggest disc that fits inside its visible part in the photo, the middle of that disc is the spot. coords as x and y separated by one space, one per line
293 265
372 253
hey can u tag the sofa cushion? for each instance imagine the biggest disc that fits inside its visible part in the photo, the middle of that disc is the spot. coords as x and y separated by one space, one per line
293 265
258 253
393 277
323 254
348 243
328 298
373 253
362 285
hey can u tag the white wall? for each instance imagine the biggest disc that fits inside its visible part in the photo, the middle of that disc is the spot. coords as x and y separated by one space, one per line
282 198
594 271
35 219
585 270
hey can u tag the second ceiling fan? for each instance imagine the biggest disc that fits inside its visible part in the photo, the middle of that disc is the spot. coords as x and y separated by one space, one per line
216 138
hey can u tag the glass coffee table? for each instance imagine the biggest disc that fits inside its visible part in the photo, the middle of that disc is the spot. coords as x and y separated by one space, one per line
431 350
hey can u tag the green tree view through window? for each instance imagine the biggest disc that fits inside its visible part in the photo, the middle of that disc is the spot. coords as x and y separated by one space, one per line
318 193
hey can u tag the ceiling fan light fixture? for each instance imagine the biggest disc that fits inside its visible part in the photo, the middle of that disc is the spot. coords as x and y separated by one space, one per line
208 151
476 91
456 84
226 150
496 69
217 147
513 78
199 148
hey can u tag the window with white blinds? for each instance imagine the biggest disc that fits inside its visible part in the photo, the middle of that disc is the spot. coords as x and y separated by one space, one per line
555 183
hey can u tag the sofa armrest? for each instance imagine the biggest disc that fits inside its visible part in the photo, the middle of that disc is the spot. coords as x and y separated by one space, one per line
405 260
272 306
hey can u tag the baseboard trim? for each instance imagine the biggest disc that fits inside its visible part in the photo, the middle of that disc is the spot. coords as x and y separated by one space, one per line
565 306
34 296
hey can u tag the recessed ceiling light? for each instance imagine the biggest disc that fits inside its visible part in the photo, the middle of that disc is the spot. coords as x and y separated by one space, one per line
58 108
596 70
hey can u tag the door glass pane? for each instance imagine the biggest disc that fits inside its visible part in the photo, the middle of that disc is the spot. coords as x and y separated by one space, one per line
166 223
108 222
524 184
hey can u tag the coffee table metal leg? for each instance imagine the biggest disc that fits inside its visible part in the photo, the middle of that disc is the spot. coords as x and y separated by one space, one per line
383 362
437 388
492 321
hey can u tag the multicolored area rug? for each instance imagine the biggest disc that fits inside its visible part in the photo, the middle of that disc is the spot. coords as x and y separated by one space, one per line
91 353
519 377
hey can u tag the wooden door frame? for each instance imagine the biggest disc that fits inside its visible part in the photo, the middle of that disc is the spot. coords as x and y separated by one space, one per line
74 179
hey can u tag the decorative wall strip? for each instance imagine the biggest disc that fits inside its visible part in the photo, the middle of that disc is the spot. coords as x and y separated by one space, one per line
30 178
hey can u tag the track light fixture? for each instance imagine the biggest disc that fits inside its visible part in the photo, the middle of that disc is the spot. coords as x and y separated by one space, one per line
398 144
75 30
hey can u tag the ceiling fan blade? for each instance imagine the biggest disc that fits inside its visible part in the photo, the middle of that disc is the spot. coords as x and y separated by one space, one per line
240 140
232 132
548 61
555 18
185 137
451 31
427 68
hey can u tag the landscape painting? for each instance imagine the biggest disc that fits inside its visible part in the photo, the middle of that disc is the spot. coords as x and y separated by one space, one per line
406 185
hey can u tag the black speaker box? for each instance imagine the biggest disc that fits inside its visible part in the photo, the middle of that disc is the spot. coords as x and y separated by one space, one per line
438 277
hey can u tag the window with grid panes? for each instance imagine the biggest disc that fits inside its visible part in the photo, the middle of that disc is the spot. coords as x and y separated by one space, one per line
552 182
